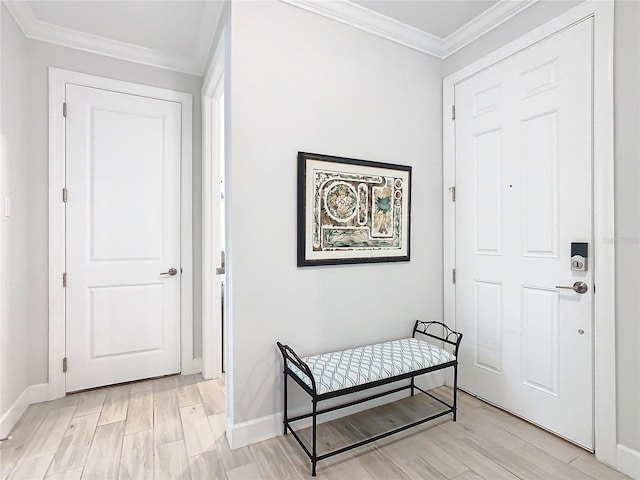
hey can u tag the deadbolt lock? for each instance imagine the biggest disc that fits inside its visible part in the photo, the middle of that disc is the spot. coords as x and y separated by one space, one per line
579 256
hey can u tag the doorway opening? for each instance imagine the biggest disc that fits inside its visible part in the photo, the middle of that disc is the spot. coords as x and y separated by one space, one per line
214 285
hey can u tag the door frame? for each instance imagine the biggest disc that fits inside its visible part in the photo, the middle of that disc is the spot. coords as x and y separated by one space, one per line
213 87
58 78
605 435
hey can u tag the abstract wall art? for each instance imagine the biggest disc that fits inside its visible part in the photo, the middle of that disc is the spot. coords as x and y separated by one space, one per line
352 211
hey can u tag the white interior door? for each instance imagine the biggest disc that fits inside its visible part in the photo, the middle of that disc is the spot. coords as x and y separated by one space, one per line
122 235
523 194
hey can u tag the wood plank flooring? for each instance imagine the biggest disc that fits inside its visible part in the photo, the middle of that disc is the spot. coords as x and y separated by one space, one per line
173 428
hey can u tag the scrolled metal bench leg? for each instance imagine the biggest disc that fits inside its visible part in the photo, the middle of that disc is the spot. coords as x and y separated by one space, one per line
413 379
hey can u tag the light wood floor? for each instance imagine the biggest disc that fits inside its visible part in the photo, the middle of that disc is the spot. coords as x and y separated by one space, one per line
174 428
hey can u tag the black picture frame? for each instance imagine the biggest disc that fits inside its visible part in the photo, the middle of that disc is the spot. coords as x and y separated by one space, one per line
352 211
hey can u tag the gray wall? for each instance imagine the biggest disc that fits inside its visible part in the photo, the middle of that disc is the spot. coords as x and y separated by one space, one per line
17 307
302 82
627 184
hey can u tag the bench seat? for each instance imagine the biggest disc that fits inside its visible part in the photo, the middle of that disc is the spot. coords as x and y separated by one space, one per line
358 366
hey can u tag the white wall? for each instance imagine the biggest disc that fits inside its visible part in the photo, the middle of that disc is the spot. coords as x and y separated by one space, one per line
627 185
16 305
301 82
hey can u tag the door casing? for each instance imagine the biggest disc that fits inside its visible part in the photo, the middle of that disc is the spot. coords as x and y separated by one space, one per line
603 191
58 78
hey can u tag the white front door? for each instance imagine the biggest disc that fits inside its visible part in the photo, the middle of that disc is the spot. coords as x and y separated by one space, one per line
523 194
122 237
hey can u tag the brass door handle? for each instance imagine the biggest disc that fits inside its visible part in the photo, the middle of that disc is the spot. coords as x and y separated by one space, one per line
172 272
578 287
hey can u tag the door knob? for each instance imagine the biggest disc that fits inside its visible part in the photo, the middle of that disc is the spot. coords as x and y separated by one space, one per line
172 272
578 287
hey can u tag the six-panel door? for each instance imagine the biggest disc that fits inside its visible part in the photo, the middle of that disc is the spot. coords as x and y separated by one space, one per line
524 194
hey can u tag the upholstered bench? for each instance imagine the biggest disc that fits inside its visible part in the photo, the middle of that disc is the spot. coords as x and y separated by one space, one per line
335 374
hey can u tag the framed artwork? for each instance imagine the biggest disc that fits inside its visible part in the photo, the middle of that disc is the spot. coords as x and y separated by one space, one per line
352 211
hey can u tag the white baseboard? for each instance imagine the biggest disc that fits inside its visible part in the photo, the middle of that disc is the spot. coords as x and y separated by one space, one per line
629 461
242 434
31 394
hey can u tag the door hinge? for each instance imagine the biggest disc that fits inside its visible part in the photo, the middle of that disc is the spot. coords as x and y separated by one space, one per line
64 109
453 193
64 279
64 194
453 276
64 365
453 112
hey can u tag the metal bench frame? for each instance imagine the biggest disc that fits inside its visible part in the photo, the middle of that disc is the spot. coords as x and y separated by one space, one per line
424 328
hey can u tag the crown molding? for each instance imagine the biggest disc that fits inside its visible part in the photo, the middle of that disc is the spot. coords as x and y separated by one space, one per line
342 11
483 23
362 18
67 37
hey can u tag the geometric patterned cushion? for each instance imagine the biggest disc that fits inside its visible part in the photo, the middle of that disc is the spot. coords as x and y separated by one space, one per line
357 366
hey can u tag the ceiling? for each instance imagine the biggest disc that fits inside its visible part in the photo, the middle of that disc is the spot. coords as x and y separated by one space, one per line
178 34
